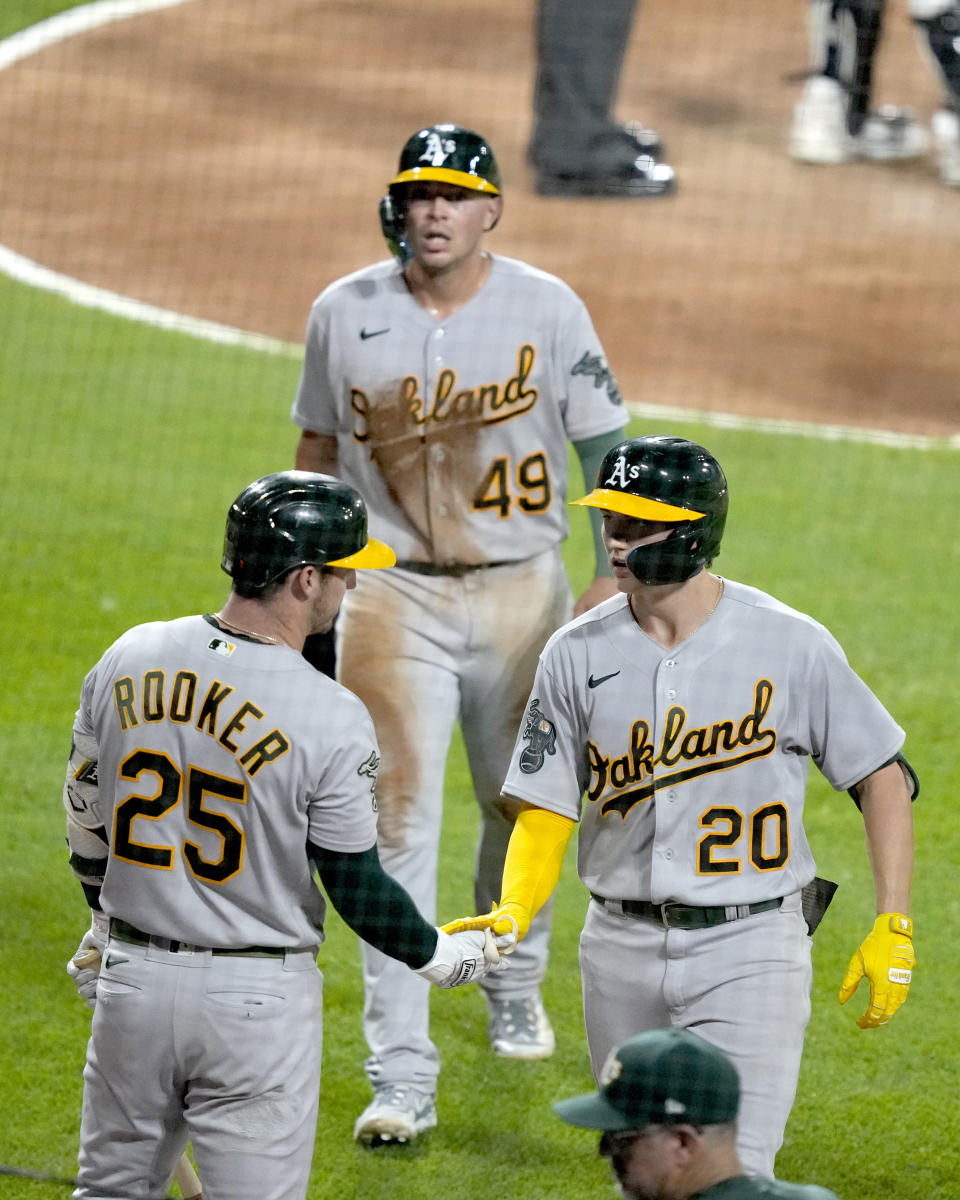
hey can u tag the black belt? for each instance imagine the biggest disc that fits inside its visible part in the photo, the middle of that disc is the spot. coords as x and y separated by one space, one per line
686 916
457 570
136 937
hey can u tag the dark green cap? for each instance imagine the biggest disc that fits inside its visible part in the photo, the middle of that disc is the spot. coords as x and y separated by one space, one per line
664 1077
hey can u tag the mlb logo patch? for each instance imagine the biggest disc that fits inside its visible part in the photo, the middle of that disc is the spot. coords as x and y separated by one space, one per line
219 646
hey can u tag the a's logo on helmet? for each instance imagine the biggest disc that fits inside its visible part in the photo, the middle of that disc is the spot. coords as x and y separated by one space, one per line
541 735
437 149
611 1069
621 475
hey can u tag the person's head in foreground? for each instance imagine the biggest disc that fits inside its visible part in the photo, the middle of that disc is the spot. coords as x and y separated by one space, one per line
667 1107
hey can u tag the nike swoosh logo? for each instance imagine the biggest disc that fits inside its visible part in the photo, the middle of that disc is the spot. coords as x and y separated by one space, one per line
373 333
114 960
593 682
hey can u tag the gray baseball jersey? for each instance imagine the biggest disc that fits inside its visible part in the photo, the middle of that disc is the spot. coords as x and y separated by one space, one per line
456 431
211 760
692 762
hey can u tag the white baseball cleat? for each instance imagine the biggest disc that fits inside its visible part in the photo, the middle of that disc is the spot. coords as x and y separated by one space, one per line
946 136
520 1028
397 1113
819 131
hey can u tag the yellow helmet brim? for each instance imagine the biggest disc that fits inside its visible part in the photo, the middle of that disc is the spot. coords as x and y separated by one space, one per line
371 556
447 175
640 507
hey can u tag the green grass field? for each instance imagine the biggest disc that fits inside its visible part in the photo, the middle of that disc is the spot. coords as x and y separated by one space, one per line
123 447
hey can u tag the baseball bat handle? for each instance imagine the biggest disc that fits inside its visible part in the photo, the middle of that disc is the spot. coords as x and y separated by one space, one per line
187 1179
89 958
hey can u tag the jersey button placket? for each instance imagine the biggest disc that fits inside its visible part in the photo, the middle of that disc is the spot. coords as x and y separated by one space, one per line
670 664
667 827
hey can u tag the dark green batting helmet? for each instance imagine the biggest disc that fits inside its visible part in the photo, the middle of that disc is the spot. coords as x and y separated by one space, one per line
294 519
440 153
662 478
450 154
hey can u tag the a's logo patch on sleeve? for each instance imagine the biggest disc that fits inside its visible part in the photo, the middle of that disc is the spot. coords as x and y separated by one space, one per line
595 366
369 767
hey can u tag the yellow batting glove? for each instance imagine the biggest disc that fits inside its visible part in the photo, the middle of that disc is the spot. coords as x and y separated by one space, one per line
468 924
500 920
886 958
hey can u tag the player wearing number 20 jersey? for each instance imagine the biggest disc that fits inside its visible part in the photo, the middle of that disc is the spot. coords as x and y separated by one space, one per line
692 762
676 723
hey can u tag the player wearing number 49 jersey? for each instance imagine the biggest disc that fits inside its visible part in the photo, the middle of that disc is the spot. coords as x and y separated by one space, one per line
447 387
676 722
213 773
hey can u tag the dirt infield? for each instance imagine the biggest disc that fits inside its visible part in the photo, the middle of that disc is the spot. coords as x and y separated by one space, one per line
224 158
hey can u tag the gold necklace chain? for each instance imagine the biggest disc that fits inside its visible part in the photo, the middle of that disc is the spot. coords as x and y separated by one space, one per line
703 621
257 637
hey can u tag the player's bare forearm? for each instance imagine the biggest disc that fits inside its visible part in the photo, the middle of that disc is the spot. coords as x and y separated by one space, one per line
888 824
317 452
886 956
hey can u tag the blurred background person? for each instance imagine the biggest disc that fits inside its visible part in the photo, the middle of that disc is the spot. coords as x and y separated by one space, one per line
833 122
576 146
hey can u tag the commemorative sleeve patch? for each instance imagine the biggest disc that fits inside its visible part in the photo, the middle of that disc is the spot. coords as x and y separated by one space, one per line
542 736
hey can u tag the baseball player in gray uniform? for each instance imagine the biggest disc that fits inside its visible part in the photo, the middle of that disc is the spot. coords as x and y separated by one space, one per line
212 773
446 386
676 723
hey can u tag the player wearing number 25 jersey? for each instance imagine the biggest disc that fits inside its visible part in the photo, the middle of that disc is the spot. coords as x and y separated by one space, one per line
213 774
447 387
676 722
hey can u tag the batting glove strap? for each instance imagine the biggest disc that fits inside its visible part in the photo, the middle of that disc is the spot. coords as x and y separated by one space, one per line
461 958
886 959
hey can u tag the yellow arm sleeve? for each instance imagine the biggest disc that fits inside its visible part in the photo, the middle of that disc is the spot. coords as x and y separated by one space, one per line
532 866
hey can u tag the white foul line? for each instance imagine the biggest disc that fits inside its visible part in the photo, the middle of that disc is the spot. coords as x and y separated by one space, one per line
25 270
70 22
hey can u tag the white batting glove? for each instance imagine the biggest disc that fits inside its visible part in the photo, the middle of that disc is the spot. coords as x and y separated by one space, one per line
462 958
84 967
